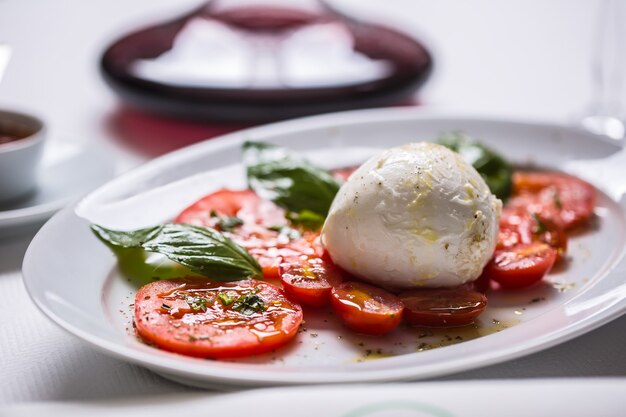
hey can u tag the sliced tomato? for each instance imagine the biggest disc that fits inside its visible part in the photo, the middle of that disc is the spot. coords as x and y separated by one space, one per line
260 231
522 265
548 232
442 307
271 251
564 200
309 281
365 308
510 231
243 204
521 227
202 318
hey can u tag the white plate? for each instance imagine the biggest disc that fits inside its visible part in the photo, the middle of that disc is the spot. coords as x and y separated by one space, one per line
69 170
73 278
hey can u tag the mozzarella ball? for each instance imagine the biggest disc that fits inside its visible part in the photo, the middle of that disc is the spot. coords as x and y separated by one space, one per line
413 216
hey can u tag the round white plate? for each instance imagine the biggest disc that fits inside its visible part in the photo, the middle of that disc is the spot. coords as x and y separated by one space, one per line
73 277
68 171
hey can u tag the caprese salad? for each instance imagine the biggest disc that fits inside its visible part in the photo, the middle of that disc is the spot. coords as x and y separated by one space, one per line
413 237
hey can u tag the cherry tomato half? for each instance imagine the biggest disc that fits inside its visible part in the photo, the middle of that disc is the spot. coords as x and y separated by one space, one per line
310 281
519 226
562 199
522 265
202 318
442 307
365 308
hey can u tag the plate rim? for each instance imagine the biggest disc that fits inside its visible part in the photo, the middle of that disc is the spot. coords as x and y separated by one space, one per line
263 377
331 120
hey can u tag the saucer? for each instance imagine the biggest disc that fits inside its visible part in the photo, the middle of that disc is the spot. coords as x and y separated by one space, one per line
68 170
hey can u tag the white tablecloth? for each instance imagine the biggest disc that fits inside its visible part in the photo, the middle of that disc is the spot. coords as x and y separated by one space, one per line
519 58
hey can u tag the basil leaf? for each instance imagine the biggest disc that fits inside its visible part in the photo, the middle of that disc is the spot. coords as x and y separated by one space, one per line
202 250
125 239
291 182
306 219
495 170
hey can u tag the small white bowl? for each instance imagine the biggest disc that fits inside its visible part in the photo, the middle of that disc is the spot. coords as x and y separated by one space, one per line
19 159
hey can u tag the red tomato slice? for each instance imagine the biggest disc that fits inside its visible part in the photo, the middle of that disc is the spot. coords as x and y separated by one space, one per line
202 318
442 307
548 232
244 204
309 282
365 308
510 232
522 265
521 227
564 200
260 232
272 250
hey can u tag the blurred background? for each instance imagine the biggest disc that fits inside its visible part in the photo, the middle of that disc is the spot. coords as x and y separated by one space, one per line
517 58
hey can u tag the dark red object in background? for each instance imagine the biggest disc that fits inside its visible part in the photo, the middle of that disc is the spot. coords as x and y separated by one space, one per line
249 65
152 136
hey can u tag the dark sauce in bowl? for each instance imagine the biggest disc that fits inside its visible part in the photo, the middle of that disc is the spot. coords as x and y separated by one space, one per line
4 138
12 131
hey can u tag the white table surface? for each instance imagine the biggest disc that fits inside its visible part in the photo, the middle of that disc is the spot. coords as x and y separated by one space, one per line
518 58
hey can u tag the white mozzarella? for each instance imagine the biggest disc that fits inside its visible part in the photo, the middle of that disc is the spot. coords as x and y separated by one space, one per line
413 216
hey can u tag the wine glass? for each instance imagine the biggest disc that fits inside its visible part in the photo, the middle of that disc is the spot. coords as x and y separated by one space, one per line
605 114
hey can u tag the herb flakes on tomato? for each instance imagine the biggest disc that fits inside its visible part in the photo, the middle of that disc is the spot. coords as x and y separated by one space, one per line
522 227
564 200
202 318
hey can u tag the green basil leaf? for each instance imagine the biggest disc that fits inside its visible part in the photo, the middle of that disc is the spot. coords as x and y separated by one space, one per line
293 183
201 250
306 219
495 170
132 239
